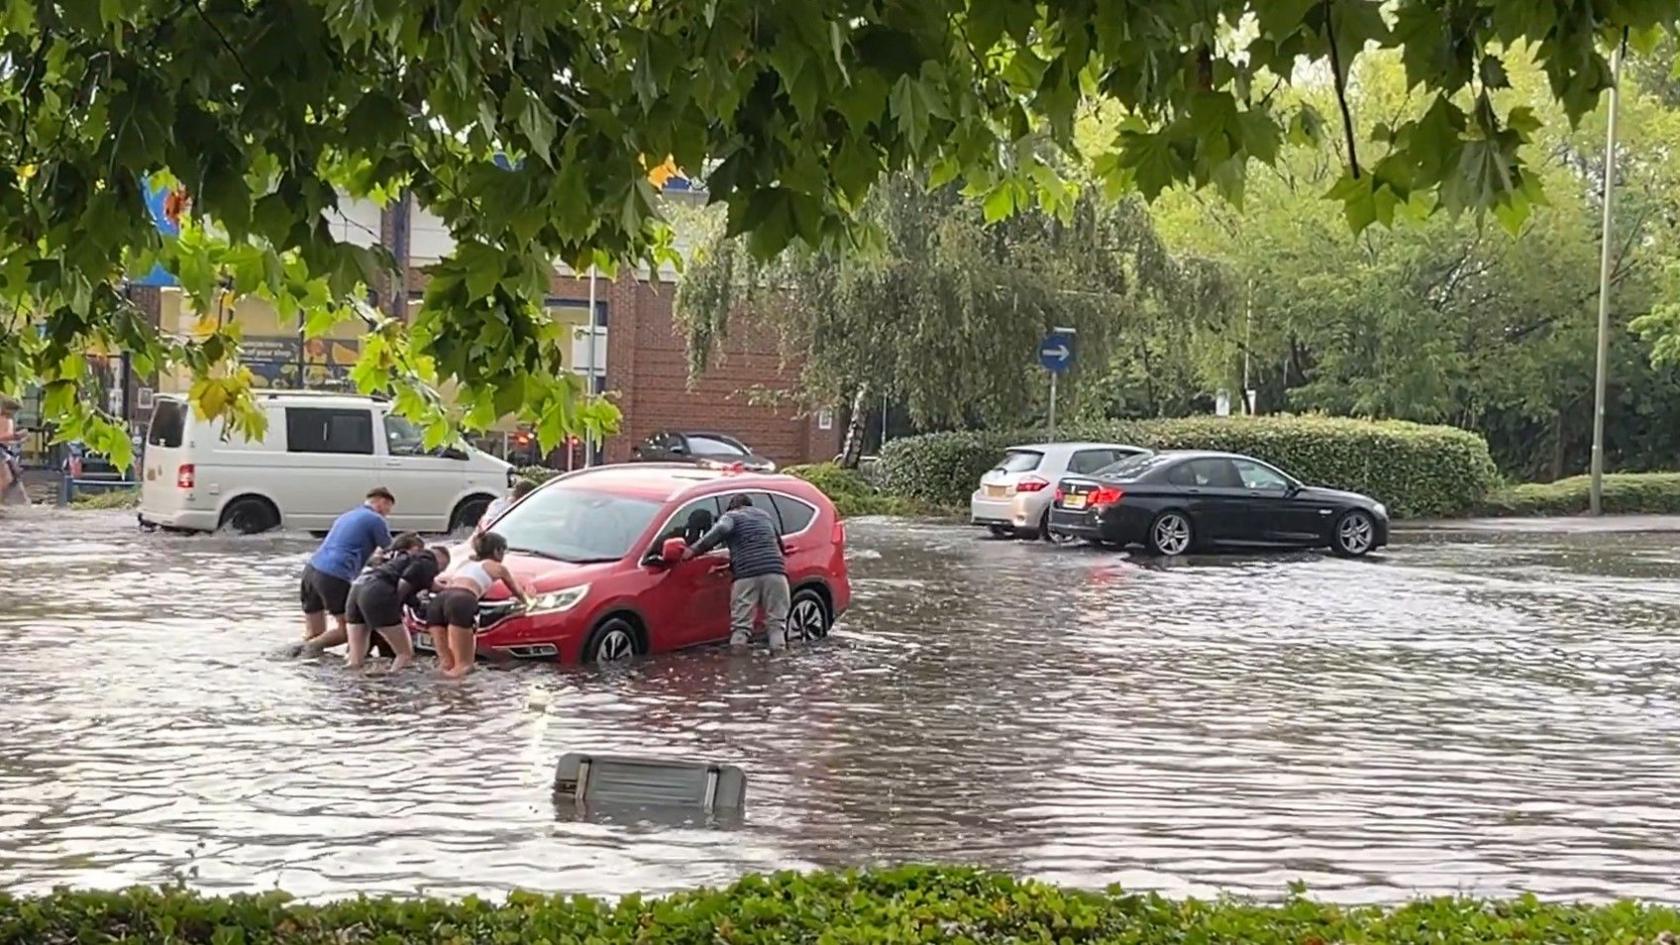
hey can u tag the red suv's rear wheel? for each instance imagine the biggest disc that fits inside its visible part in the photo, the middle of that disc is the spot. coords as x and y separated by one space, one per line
808 617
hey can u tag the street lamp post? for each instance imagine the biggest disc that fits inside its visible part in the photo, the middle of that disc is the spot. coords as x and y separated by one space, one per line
1596 496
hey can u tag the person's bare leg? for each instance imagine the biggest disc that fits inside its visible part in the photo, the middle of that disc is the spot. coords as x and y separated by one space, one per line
337 636
314 625
440 646
360 637
398 637
464 645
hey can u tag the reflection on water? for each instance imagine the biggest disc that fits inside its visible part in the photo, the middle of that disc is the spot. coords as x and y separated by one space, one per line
1487 715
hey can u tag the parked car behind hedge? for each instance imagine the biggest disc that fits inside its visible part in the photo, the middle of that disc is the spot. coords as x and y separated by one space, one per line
1417 470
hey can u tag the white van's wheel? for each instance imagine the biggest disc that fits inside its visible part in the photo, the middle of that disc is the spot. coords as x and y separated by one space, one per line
250 515
469 512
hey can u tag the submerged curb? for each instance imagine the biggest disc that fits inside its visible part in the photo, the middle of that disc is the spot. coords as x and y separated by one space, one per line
1556 525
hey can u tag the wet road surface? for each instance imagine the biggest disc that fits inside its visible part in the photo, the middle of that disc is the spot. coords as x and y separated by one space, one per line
1486 714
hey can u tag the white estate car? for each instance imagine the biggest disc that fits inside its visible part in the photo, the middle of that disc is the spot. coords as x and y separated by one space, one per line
318 458
1014 497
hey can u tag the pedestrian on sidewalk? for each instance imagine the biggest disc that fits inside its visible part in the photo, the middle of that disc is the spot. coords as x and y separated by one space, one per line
11 466
520 490
757 560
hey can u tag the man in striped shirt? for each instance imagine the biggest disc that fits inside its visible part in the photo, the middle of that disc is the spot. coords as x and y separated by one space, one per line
756 559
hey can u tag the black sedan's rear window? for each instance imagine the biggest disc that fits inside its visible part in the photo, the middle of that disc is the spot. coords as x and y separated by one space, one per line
1133 468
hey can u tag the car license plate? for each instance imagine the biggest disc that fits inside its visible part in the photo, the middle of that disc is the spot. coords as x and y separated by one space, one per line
422 641
996 492
1075 501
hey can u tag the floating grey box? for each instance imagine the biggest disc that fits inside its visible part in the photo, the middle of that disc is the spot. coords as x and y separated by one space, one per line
653 782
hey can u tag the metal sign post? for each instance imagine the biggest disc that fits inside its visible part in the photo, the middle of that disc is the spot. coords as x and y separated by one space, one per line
589 438
1055 352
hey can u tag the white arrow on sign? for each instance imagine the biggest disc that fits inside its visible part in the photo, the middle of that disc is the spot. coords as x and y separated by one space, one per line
1060 352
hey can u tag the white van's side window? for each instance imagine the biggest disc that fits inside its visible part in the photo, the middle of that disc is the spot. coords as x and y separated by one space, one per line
328 430
403 438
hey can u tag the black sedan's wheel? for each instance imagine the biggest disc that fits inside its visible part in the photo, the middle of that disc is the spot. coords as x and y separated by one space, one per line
808 618
1355 536
1045 533
1171 534
614 641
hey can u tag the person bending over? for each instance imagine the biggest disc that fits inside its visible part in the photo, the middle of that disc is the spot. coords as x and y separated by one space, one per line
757 562
325 587
452 615
379 596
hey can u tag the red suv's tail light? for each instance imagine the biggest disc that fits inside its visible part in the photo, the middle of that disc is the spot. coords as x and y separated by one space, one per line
1031 484
839 536
1107 495
185 477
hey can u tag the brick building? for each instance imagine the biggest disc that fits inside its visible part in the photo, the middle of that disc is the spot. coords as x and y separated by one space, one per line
640 356
646 364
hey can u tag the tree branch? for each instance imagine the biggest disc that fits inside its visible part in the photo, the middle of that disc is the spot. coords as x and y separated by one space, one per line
1341 87
226 44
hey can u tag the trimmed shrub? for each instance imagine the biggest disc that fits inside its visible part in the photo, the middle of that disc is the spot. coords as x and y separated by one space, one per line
1415 469
1634 493
107 499
537 474
852 494
907 904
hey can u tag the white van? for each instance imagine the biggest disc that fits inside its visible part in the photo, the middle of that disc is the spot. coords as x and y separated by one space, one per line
321 453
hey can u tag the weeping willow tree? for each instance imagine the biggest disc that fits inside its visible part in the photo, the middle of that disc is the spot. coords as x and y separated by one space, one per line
936 305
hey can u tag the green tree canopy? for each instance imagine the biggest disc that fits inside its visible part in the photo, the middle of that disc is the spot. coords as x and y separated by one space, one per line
936 307
266 110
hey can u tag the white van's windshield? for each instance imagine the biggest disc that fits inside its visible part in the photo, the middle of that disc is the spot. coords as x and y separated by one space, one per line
575 525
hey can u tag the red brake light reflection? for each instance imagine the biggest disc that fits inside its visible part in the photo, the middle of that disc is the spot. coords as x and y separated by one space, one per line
1060 495
1107 495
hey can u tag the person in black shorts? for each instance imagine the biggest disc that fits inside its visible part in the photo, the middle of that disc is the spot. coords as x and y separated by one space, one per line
325 588
452 615
323 591
378 598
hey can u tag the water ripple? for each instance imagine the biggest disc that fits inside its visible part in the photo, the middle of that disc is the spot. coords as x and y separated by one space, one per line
1485 716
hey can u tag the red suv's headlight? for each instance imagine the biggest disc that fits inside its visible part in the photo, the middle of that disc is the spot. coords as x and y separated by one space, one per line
560 601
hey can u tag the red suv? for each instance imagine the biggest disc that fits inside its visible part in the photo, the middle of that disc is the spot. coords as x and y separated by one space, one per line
600 552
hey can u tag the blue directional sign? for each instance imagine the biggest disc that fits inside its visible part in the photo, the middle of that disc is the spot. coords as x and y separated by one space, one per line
1055 352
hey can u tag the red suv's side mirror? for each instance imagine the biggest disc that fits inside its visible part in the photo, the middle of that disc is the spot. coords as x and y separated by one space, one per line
672 550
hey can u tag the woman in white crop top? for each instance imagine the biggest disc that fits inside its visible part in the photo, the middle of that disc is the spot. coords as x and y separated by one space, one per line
452 616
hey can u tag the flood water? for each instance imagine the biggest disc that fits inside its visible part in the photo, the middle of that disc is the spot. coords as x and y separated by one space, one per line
1485 715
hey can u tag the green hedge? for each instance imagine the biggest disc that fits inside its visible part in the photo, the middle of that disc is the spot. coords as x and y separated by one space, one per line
853 494
1647 493
107 499
1417 470
905 905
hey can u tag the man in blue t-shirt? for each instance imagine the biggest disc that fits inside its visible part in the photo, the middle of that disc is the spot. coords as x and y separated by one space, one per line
325 588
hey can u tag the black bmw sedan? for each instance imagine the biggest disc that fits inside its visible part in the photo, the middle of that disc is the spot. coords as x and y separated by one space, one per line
1176 502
